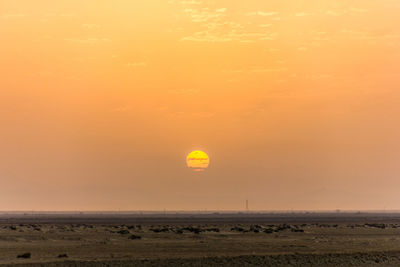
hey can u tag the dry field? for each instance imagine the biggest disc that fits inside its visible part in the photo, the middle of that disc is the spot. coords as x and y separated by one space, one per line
208 240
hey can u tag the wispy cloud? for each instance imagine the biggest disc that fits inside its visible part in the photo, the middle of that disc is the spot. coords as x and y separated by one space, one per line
191 115
257 69
302 14
262 13
65 15
206 37
184 91
358 10
90 41
263 70
122 108
191 2
12 16
221 10
136 64
335 13
219 25
265 25
90 26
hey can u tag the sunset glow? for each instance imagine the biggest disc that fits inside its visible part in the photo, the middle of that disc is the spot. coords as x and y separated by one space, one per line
297 102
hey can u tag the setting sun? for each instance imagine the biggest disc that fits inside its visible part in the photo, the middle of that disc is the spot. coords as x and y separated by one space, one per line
198 160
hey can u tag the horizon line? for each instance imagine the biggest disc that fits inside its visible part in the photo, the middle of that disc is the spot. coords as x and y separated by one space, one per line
165 211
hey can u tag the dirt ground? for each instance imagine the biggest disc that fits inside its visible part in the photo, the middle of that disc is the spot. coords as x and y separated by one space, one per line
218 240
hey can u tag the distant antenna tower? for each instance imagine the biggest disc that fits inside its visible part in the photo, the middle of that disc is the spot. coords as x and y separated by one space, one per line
247 205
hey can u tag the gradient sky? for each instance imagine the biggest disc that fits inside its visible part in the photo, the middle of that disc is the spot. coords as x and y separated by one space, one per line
296 102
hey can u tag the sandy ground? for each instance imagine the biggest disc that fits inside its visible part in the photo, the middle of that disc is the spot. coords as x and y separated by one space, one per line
200 241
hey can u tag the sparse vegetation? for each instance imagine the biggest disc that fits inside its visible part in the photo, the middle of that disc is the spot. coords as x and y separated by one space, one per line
134 237
24 255
123 232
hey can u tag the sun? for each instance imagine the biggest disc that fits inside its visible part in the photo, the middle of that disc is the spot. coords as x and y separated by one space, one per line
197 160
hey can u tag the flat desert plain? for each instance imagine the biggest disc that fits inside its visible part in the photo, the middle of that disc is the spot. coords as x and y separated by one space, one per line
278 239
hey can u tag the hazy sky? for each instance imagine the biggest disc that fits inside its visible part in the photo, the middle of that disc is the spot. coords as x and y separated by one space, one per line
295 102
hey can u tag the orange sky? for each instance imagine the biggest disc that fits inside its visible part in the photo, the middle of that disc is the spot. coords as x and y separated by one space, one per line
295 102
